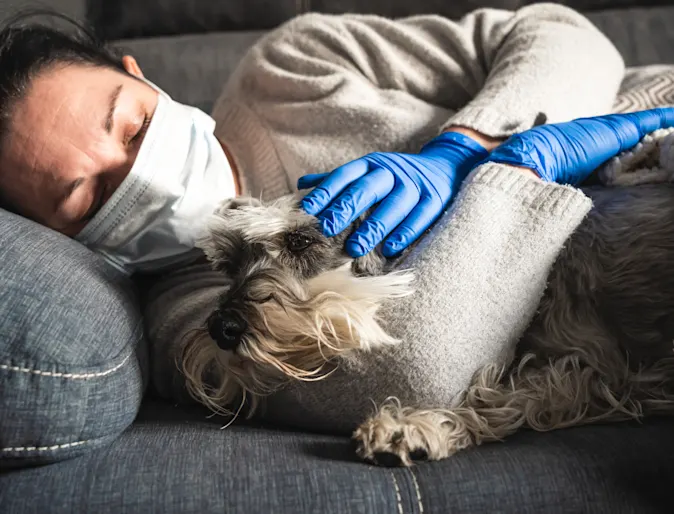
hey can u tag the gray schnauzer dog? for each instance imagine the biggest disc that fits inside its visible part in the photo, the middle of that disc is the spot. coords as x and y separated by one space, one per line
599 349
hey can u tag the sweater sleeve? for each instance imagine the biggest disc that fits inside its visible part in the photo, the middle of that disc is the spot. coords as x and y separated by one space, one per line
497 70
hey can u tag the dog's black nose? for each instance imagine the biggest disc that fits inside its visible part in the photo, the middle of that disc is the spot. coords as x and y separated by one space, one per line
226 329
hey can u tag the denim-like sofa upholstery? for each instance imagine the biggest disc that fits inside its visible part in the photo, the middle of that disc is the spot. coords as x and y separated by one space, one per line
73 361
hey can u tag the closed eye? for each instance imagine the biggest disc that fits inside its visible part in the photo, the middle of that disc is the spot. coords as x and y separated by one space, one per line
250 299
95 206
140 134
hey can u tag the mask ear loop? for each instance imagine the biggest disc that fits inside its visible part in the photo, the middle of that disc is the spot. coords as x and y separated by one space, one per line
207 119
155 87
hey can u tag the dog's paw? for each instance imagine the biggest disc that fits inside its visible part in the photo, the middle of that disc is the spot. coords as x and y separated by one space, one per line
388 449
397 437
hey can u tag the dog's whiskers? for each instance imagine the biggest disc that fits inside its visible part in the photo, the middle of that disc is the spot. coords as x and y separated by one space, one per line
238 411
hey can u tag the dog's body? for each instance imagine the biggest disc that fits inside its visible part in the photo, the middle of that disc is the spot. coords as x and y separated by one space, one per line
600 347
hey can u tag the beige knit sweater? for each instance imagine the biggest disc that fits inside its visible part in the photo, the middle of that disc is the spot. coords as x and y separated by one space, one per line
322 90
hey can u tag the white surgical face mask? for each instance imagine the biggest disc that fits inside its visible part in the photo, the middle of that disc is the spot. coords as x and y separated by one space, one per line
179 177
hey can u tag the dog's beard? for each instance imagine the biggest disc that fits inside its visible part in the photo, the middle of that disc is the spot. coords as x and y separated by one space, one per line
299 333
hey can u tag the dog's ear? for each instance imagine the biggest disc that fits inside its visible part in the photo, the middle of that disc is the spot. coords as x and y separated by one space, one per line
238 202
222 247
369 264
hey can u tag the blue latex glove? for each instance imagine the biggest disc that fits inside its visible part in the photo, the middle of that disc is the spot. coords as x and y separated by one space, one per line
414 190
568 152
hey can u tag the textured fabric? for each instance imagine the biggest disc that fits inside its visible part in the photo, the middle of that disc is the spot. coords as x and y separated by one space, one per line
321 92
71 348
324 90
192 69
481 271
131 18
645 87
173 461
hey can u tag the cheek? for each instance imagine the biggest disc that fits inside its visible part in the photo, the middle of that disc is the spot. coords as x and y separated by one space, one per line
106 150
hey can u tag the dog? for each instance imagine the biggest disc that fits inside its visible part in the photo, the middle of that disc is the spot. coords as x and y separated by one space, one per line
599 349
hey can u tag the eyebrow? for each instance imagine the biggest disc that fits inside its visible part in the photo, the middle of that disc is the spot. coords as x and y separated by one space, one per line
109 121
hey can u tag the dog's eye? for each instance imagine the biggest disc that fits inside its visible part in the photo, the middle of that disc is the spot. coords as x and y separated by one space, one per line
253 299
297 242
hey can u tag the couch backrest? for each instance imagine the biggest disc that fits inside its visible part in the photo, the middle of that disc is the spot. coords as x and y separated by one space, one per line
120 19
141 18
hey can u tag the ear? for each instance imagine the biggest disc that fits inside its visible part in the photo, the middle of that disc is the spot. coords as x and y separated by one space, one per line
131 65
236 202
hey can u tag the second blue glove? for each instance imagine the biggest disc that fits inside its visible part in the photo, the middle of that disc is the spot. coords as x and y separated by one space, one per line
412 190
568 152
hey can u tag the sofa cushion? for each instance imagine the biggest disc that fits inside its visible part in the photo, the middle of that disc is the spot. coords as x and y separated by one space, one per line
72 355
131 18
177 461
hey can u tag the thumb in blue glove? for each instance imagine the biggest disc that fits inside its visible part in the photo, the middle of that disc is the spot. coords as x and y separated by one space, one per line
412 191
568 152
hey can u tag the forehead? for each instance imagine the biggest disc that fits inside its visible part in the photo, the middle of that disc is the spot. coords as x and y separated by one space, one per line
62 104
54 124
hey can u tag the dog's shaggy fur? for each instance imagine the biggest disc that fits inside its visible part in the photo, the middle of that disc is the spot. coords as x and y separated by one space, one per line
599 349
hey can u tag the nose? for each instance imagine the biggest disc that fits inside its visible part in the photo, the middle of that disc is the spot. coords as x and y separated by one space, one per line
226 328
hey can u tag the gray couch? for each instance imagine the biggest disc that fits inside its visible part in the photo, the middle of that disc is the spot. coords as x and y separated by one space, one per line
80 430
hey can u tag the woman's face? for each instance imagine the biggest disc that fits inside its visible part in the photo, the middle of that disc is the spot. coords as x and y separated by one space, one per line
72 140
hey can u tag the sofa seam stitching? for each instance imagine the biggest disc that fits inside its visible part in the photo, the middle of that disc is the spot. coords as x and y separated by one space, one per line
44 448
399 498
70 376
417 491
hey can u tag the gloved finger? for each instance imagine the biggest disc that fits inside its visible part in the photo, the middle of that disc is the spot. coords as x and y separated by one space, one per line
337 180
422 217
630 128
651 120
578 147
311 180
382 221
355 200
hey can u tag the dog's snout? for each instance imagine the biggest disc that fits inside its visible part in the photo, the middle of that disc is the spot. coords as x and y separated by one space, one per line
226 328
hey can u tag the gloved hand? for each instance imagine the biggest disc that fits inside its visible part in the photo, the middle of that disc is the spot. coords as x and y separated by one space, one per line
568 152
414 190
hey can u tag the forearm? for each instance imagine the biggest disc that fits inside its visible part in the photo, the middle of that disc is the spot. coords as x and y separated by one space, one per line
551 65
503 68
488 143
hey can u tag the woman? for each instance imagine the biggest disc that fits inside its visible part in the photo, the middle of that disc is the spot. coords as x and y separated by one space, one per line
92 150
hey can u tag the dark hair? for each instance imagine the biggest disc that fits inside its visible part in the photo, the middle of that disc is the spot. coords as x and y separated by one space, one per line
29 46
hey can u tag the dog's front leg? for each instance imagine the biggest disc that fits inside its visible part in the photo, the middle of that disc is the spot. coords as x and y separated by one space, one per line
559 394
